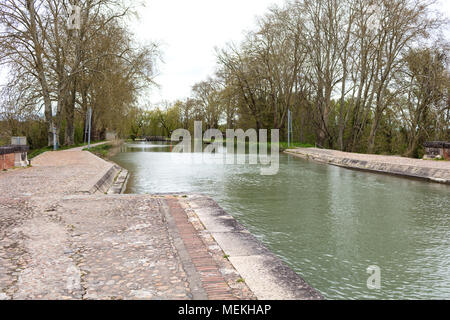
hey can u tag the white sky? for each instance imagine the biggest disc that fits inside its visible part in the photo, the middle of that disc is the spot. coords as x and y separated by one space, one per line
189 30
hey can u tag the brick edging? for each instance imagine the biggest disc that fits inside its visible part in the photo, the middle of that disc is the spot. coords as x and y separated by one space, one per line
211 278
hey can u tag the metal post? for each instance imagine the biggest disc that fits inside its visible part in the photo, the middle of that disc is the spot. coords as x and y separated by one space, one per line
86 124
290 129
90 123
55 142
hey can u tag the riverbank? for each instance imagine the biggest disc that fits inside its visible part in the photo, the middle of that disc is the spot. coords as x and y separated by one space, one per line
107 149
433 171
63 236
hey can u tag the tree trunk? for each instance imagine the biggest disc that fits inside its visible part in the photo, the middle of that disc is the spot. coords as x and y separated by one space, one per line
70 119
373 133
412 147
41 73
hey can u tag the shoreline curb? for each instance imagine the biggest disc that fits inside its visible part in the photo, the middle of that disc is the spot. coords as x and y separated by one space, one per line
120 184
106 181
113 181
267 276
399 170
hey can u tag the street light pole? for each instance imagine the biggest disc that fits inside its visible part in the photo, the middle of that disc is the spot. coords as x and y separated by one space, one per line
55 142
290 127
90 123
86 127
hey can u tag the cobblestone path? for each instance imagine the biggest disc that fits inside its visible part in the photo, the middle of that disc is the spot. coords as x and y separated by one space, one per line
56 243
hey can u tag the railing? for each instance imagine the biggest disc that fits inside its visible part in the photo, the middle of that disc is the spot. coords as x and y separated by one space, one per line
13 149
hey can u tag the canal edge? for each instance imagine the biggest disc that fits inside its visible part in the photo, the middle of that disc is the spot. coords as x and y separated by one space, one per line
267 276
112 180
399 170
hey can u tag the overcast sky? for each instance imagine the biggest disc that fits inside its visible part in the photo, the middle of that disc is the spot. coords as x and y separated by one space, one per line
189 31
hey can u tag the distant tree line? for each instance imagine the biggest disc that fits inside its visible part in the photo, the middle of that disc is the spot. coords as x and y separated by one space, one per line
358 75
56 71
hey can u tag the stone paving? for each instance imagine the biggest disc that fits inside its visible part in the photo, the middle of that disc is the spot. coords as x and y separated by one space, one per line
57 243
54 174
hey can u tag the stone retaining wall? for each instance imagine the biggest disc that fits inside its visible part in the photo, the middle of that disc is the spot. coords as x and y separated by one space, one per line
266 275
434 171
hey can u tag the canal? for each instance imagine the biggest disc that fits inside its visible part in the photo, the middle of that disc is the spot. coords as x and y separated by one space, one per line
329 224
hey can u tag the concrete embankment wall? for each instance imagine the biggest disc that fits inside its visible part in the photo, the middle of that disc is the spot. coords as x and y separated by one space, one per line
433 171
112 181
266 275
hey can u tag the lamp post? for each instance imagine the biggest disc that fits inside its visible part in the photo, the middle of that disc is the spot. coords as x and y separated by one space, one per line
89 133
55 140
290 127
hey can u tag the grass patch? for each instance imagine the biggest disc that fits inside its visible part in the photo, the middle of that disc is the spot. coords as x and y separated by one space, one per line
284 145
101 150
34 153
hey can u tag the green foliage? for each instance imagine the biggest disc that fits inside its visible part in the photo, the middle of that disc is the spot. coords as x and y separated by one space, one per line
34 153
284 145
34 129
101 150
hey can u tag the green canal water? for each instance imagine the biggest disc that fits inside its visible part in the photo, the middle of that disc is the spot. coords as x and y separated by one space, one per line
329 224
